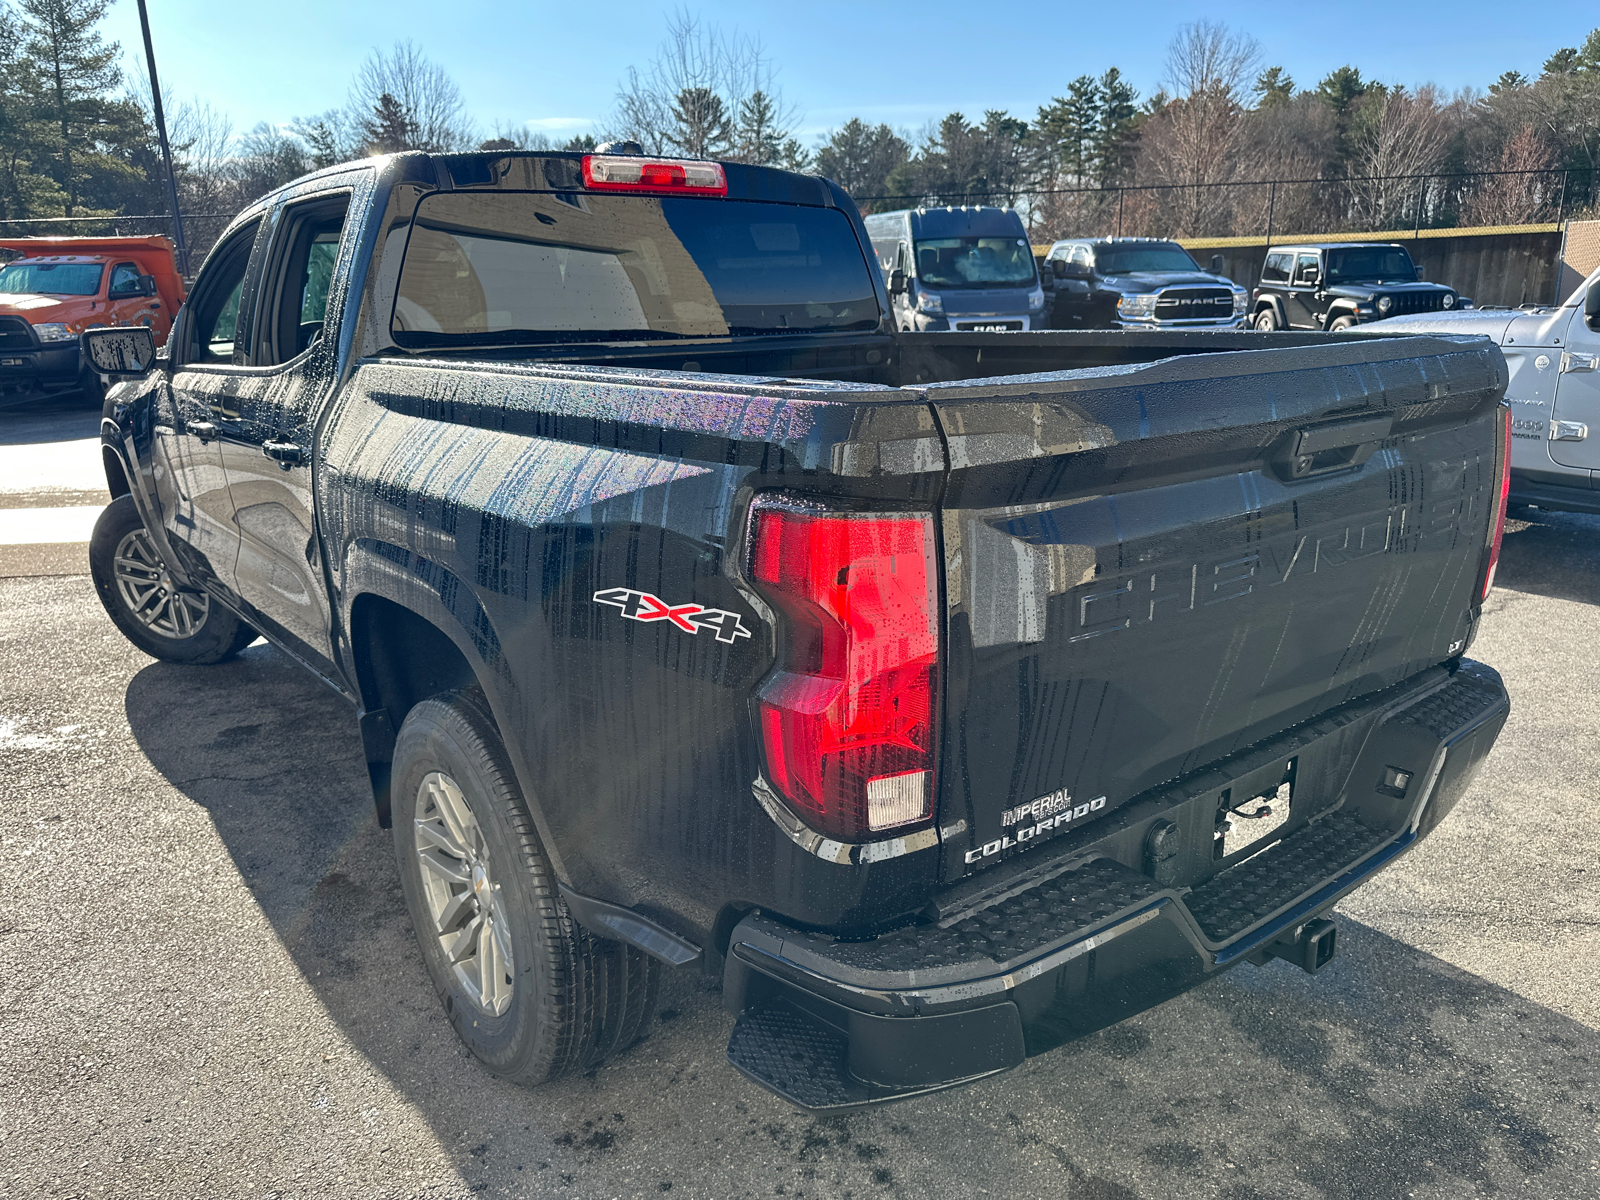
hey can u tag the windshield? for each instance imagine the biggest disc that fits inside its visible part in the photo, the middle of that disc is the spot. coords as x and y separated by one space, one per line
1158 260
52 279
975 262
565 267
1375 263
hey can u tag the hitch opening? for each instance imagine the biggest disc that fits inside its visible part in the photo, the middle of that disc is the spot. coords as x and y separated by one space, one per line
1310 946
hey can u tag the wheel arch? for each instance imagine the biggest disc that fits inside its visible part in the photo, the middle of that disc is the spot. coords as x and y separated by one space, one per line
416 629
1276 305
116 473
1341 308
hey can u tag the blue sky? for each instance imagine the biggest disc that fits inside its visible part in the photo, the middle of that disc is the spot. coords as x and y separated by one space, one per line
557 66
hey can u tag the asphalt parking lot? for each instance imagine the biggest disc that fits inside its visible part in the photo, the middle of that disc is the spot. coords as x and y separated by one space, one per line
209 986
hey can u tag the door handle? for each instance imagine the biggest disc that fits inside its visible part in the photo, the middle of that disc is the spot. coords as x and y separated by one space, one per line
1568 431
204 430
1579 362
285 454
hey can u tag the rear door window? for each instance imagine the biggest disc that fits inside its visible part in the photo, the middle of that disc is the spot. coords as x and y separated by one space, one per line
530 266
1277 268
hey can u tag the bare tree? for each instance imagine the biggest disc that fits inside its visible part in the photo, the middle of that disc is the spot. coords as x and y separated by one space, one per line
706 94
1192 142
1401 134
1513 199
434 114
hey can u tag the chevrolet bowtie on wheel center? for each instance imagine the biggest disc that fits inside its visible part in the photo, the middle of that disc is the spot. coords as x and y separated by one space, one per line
945 695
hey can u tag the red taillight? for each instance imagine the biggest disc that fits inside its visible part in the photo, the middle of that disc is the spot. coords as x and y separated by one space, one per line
627 173
848 719
1497 527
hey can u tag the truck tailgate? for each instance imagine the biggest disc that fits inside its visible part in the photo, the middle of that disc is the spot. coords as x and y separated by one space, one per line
1151 567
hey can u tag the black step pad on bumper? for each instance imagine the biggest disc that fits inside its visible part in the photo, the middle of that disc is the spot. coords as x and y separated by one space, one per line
1057 910
1230 903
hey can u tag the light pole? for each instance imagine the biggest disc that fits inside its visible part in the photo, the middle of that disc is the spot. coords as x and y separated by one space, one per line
166 150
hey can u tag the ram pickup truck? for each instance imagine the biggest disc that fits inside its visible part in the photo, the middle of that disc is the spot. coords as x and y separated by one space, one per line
1138 283
947 696
1553 364
59 287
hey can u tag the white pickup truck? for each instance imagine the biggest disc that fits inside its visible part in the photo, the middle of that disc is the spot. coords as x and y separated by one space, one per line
1554 358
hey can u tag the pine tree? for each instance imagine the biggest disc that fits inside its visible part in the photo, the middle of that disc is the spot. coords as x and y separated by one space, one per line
71 71
388 129
861 159
1117 133
1273 87
758 138
699 126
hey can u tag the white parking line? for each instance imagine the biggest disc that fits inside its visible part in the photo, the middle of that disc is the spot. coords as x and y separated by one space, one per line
41 526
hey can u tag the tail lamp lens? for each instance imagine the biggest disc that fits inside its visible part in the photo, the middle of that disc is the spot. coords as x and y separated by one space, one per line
1497 527
627 173
848 719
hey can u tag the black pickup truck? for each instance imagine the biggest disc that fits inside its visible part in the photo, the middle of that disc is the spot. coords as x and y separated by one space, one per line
946 696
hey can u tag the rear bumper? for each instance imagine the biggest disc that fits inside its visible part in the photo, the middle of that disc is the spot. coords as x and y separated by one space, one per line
1071 945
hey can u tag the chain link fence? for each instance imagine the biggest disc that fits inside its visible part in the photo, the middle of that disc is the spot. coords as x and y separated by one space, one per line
1289 208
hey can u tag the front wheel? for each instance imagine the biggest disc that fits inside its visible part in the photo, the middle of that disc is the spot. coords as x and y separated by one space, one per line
531 994
1338 323
146 603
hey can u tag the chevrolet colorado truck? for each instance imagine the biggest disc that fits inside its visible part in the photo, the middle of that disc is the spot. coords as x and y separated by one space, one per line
947 696
59 287
1553 364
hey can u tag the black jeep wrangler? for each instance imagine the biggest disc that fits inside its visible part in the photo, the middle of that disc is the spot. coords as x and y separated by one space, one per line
1334 285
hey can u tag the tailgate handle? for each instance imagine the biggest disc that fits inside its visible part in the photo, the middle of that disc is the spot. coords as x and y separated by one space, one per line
1321 449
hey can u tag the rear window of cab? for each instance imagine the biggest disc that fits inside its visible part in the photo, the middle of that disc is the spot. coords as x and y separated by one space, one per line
542 266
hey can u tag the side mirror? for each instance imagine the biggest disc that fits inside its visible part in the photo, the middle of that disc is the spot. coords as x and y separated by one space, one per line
147 285
120 352
1058 267
897 282
1217 264
1311 275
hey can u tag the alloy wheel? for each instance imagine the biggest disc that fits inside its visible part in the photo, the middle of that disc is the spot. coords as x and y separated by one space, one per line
464 901
149 592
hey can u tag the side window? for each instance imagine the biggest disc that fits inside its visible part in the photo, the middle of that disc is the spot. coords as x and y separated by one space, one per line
125 279
213 331
1305 273
304 257
1081 256
1277 268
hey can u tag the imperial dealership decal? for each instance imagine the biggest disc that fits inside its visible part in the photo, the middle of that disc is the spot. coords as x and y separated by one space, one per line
1042 815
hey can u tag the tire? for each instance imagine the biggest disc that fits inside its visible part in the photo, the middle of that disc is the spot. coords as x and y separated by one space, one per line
1338 323
1266 321
527 989
91 387
143 602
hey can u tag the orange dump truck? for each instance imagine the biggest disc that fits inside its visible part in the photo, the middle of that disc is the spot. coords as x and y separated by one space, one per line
61 286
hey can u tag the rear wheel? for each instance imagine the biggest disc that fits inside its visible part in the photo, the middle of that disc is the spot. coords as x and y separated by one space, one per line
146 603
1266 320
528 990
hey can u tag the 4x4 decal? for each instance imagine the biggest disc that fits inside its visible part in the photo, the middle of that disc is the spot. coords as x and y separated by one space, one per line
691 618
